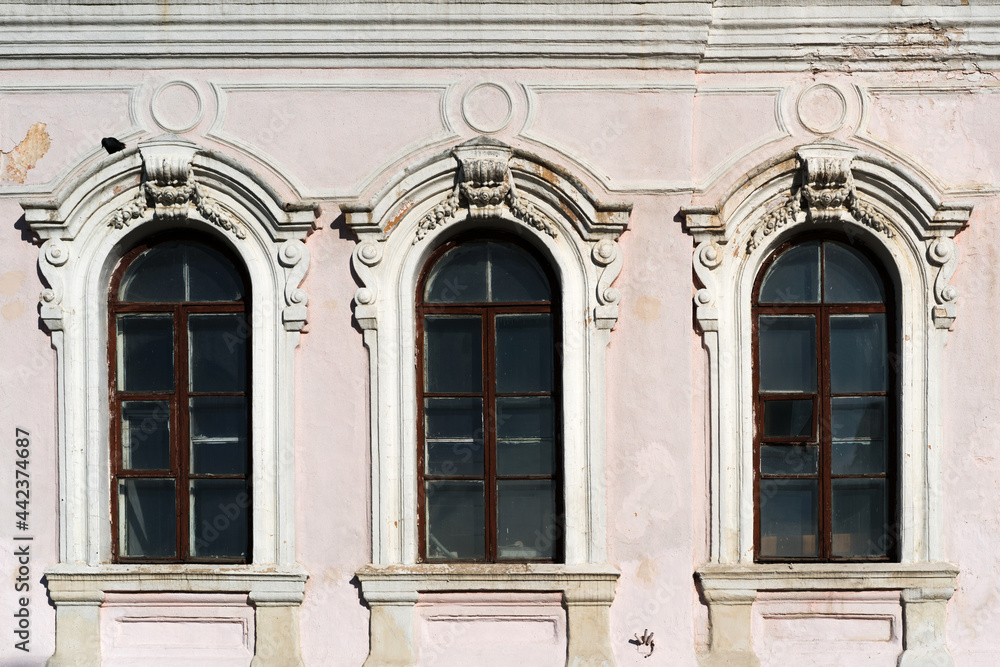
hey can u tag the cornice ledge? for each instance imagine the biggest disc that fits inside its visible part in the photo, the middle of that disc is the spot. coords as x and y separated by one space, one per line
71 579
849 36
508 33
401 584
741 580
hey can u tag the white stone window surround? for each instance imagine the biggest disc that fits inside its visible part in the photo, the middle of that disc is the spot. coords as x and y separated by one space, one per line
484 184
832 186
92 220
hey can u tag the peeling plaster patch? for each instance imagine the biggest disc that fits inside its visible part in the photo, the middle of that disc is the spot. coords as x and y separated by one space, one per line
14 164
11 282
646 572
12 310
924 38
647 308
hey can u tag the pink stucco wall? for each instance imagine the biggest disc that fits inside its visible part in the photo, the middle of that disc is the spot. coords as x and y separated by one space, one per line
651 139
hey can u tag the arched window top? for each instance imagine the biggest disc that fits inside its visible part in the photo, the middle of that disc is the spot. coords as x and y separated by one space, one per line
487 271
821 271
180 271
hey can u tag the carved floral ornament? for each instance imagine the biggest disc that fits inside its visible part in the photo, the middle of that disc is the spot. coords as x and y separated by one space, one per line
485 188
169 188
825 193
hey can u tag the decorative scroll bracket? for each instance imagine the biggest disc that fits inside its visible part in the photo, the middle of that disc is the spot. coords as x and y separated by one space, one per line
55 253
484 186
710 239
294 256
170 189
942 253
366 257
608 255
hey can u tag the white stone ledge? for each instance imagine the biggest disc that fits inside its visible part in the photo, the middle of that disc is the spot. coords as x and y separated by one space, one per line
718 580
580 584
265 582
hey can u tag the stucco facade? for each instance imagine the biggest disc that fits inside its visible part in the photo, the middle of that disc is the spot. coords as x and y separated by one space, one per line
654 155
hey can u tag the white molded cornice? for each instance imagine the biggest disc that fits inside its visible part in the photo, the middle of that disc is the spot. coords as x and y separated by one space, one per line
876 35
719 35
407 33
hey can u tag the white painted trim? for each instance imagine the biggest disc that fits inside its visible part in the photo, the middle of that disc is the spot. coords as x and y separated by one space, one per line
901 220
87 228
389 260
736 36
504 33
184 127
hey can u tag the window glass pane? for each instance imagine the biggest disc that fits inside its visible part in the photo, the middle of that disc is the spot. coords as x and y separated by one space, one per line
859 457
176 271
219 435
524 353
525 436
515 275
455 520
460 276
147 518
787 353
454 431
528 417
218 353
788 419
220 518
858 354
454 418
145 435
453 354
145 353
788 523
211 276
858 418
859 510
789 459
526 519
156 275
849 277
793 277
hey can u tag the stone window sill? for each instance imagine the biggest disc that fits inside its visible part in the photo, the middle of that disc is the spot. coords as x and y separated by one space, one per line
392 591
730 590
591 581
264 584
718 580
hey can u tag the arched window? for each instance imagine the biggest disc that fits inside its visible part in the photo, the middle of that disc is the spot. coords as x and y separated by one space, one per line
179 372
824 450
489 437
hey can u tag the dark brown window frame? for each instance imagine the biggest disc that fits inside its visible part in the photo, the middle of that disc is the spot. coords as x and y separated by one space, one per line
822 403
179 416
488 313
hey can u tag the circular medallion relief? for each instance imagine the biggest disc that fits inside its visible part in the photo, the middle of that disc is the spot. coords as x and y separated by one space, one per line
822 108
176 106
487 107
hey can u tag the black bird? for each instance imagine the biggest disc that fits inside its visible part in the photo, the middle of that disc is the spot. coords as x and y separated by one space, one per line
112 145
